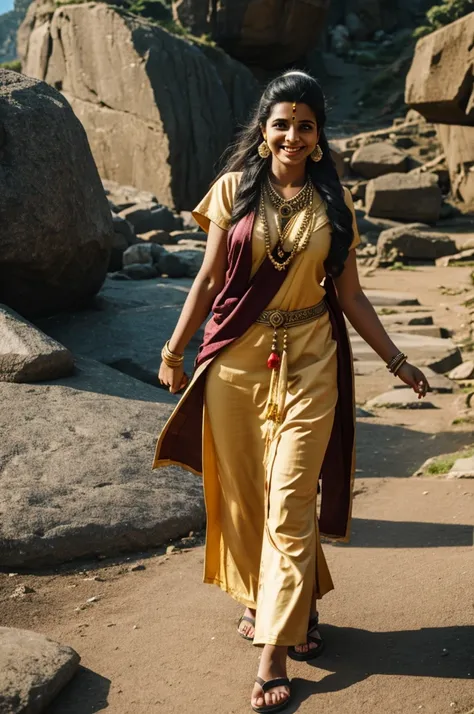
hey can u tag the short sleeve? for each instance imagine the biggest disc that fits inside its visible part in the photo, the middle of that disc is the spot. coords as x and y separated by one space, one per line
216 206
350 204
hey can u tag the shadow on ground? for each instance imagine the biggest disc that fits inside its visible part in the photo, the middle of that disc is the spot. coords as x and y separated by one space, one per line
367 533
385 451
87 693
354 655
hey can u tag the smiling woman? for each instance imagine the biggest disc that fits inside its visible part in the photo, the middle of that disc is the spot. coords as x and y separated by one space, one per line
270 407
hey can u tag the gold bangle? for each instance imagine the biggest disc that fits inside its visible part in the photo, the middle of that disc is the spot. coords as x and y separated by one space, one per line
172 359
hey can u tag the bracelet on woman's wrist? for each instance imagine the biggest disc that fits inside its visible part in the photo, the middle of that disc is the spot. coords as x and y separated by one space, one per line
171 359
396 363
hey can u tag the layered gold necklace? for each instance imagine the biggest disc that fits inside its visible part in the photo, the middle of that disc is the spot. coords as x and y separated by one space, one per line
287 209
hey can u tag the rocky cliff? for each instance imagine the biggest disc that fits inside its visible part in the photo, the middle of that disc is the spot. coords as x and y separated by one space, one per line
9 24
158 110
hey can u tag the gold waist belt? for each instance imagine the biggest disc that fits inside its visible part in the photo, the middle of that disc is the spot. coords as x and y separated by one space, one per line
277 361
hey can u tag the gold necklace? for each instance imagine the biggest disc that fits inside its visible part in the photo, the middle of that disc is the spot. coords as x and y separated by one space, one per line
287 207
301 239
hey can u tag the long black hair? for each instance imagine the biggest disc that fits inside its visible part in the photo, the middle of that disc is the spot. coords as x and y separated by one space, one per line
293 86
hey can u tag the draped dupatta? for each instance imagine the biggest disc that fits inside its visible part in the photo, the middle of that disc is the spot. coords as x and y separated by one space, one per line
235 310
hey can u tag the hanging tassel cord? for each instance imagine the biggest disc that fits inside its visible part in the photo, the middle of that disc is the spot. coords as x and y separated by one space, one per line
277 391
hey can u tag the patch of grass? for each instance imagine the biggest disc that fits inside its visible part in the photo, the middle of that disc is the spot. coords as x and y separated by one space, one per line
400 266
388 311
15 65
463 420
444 464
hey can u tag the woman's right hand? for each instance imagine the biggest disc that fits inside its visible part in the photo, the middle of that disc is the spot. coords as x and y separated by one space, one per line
174 378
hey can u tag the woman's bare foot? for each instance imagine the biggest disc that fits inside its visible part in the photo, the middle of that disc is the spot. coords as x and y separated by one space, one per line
272 665
314 632
245 627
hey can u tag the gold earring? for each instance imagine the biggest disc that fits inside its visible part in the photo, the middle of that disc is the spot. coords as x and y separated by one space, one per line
317 154
264 150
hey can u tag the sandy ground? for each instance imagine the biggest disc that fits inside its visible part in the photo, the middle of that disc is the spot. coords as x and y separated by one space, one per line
399 626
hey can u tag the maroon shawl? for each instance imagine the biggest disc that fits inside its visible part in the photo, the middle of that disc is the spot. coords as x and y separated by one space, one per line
235 310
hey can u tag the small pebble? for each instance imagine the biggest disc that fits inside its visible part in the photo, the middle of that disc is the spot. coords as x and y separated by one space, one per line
137 567
22 590
170 549
425 493
95 598
12 575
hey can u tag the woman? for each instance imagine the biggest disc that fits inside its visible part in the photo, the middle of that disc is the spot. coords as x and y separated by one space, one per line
272 388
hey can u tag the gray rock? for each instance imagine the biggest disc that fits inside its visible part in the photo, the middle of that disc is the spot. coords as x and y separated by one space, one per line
190 235
33 670
378 159
125 196
408 197
463 468
124 228
388 298
158 237
143 253
463 371
27 354
410 243
128 331
84 484
56 224
147 217
181 263
140 271
465 256
441 355
399 399
340 42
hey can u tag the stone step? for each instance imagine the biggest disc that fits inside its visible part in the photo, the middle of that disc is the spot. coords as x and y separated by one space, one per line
387 297
422 330
440 354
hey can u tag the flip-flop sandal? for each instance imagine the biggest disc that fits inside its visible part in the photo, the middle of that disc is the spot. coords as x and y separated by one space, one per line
271 684
312 652
247 619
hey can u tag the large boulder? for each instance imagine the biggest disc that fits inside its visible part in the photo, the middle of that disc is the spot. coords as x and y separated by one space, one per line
378 159
458 144
405 197
158 109
56 224
33 670
440 83
269 33
411 242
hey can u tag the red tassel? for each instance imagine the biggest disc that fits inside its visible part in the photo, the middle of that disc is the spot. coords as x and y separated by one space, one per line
273 362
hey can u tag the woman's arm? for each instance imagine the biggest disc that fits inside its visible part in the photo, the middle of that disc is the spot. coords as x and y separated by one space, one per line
365 321
206 286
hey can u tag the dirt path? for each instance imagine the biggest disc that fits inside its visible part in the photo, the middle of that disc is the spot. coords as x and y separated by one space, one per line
399 626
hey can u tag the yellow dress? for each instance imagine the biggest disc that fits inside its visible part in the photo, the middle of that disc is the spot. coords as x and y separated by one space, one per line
262 539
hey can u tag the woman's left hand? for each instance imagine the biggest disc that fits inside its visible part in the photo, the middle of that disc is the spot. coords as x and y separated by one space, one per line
415 378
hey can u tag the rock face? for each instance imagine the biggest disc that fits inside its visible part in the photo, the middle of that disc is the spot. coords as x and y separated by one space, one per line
411 242
458 144
270 34
377 159
83 483
158 113
56 223
28 355
406 197
440 83
33 670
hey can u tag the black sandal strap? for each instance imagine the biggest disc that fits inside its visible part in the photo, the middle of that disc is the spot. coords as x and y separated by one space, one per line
248 619
272 683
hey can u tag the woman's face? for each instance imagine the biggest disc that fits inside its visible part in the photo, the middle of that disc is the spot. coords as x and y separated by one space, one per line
291 132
